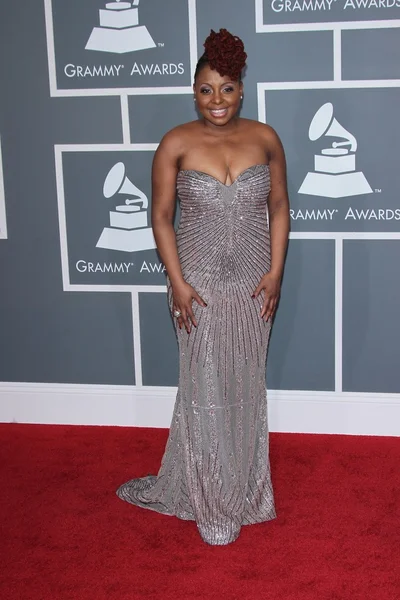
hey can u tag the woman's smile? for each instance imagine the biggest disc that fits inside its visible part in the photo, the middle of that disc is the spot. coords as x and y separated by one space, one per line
218 112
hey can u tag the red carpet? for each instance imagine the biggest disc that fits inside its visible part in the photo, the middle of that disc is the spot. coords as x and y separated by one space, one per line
66 536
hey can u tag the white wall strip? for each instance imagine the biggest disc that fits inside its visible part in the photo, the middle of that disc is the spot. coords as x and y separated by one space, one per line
289 411
338 314
3 220
136 338
126 131
337 54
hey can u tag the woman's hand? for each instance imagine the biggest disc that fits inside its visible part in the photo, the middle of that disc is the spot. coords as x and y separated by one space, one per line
183 296
271 284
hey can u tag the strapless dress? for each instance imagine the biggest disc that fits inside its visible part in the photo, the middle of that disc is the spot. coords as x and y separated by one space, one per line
216 468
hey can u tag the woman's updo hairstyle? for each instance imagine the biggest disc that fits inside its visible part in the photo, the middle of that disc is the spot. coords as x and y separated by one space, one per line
224 53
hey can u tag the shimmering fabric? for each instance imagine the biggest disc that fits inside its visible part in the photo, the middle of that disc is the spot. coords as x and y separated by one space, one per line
216 469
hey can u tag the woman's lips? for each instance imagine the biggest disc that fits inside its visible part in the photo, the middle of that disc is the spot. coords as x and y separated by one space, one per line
220 112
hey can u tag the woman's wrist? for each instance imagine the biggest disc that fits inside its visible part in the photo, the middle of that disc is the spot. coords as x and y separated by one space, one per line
177 281
275 273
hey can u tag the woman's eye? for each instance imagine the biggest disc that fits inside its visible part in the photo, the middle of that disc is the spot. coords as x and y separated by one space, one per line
229 89
205 91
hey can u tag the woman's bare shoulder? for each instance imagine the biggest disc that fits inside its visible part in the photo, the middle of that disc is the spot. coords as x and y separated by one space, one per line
263 129
176 139
180 132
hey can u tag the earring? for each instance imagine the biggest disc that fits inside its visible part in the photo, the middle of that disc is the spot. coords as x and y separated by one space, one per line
241 97
194 99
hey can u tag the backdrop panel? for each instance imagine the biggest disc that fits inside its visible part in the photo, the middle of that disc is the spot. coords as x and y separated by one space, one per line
371 54
350 192
371 325
158 342
87 94
306 318
152 116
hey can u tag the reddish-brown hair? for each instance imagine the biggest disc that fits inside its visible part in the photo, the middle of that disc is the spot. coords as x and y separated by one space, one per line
225 53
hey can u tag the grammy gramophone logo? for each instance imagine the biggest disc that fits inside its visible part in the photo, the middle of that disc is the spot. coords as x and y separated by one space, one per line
119 29
128 230
335 174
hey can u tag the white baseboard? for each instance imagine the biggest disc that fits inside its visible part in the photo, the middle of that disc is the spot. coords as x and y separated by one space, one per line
289 411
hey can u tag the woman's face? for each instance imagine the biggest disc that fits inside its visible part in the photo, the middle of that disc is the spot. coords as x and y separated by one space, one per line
217 97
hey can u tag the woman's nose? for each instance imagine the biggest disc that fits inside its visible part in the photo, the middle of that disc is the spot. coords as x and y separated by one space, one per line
217 98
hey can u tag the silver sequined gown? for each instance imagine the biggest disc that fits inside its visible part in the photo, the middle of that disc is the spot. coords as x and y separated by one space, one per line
215 468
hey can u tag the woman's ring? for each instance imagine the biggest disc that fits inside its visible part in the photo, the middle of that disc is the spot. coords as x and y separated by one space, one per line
177 313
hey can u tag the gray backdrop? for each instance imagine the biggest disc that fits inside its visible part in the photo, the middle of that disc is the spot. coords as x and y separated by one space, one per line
78 130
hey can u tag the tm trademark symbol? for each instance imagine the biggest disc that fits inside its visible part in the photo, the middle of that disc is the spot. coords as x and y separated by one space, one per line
160 44
378 191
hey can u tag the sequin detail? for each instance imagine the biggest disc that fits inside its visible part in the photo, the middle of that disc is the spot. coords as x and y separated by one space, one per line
216 469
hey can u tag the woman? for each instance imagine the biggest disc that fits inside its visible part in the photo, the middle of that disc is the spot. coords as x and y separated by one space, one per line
224 272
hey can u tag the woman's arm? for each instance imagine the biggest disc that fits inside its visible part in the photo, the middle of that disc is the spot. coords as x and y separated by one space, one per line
279 223
164 172
278 205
